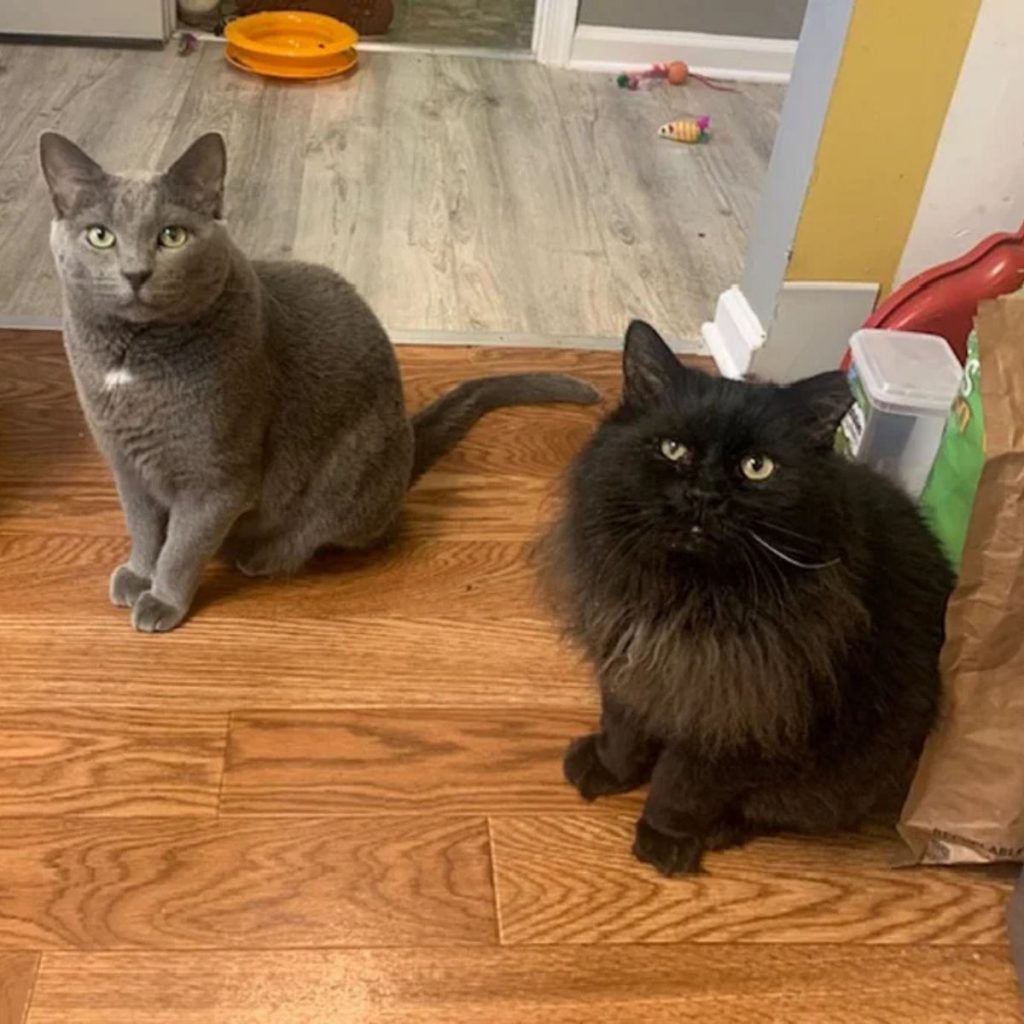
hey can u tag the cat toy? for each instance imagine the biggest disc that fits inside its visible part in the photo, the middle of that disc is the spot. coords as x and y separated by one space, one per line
675 73
688 130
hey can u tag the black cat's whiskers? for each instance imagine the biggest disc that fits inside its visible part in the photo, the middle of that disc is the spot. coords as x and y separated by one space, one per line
766 569
788 531
790 559
750 564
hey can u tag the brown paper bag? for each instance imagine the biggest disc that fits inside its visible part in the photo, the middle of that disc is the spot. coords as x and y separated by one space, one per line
967 800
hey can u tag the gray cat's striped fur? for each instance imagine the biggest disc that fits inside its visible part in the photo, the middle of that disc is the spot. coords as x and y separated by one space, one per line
246 406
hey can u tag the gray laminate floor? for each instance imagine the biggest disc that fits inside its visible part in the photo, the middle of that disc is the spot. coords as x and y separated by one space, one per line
458 194
494 24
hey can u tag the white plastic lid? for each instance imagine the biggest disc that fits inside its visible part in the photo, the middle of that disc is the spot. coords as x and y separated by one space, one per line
906 372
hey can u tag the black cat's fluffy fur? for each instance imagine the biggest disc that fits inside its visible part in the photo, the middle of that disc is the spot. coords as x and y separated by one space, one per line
767 650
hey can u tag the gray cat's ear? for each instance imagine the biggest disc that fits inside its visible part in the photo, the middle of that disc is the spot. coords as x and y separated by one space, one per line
826 399
196 178
70 174
649 366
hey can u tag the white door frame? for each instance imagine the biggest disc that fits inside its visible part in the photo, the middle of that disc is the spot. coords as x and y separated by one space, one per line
554 26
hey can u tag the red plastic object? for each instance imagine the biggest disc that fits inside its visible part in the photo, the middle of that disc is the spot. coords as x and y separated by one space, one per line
944 299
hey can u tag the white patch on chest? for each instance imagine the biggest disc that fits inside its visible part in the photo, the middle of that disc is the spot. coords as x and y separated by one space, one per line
119 378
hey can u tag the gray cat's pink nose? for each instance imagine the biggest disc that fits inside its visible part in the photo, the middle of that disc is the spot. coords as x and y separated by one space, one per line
136 278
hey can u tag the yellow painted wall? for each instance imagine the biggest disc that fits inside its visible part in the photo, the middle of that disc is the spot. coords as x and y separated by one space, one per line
895 79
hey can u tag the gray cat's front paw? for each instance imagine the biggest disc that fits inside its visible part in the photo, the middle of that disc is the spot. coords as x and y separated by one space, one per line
151 615
126 585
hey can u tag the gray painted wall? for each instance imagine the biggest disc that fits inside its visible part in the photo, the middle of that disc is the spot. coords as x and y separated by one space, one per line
771 19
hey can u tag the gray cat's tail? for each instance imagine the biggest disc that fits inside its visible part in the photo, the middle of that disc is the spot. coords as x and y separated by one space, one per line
443 423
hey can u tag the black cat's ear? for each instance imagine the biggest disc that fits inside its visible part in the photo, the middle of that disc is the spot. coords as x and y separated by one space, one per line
825 399
649 366
70 174
196 178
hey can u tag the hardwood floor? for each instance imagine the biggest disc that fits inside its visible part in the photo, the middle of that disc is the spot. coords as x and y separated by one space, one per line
459 195
337 798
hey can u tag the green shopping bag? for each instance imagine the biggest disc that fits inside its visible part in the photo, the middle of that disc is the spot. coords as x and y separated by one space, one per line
948 496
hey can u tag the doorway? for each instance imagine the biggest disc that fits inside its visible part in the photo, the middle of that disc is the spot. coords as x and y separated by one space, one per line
484 24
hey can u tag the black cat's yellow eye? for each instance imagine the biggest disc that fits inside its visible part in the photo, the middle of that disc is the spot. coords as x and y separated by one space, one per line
100 237
674 451
757 467
174 236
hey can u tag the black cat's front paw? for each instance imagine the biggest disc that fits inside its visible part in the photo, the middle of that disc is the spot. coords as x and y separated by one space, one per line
585 770
730 830
671 855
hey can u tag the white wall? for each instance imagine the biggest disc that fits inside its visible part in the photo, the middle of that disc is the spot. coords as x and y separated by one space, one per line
976 182
107 19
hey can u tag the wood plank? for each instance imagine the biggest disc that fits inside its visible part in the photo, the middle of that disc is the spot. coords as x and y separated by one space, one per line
428 761
572 879
17 977
483 579
73 492
56 761
293 662
371 203
528 255
725 985
521 442
191 883
428 371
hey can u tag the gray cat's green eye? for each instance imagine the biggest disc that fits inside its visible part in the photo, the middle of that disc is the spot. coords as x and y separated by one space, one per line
757 467
674 451
100 237
173 237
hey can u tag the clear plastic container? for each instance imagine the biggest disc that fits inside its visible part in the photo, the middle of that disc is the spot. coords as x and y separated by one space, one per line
903 384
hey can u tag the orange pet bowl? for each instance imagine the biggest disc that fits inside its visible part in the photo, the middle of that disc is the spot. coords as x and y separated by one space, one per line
291 44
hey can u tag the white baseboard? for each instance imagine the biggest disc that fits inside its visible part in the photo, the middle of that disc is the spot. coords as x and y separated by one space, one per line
737 58
811 328
734 335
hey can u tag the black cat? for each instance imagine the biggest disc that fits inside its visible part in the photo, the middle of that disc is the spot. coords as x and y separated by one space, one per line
764 617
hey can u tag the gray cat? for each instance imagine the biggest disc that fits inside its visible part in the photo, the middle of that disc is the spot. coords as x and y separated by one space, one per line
244 406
